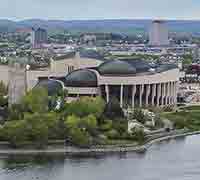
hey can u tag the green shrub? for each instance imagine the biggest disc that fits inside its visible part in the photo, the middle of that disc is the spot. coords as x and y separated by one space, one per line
3 89
113 109
86 106
120 125
112 134
72 122
139 116
16 112
89 122
106 125
158 121
3 100
36 100
80 137
180 123
138 135
15 132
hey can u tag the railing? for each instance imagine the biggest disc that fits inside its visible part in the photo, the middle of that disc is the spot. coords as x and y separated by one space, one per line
164 134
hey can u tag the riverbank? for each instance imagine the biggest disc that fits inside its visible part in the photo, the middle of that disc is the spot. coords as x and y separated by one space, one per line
93 151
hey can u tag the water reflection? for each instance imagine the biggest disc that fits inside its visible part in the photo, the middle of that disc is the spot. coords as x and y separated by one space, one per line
172 159
13 161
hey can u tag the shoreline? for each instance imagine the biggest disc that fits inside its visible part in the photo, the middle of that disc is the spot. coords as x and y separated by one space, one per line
94 151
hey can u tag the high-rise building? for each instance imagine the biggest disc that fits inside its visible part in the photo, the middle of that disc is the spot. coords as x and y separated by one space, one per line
158 35
38 37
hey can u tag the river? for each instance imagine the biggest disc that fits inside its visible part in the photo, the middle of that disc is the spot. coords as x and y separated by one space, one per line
169 160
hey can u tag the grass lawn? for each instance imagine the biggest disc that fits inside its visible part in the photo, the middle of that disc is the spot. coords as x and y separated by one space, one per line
188 117
191 108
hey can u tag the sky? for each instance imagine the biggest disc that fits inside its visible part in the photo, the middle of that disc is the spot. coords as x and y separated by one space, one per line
99 9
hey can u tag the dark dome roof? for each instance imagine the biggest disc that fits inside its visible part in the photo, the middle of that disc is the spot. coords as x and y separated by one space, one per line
53 87
91 53
141 66
166 67
116 67
81 78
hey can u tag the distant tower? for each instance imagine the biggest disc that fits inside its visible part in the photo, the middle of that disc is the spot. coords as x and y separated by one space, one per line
17 84
38 37
158 35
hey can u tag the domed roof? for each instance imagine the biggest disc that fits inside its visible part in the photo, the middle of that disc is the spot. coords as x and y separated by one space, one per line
124 67
91 53
140 65
53 87
166 67
81 78
116 67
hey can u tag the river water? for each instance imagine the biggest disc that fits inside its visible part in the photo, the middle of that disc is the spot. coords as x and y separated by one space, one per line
169 160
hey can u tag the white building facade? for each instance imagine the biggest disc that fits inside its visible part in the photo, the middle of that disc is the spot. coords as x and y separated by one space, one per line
132 90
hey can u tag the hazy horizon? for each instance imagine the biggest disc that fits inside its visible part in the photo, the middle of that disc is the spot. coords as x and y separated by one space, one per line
99 10
106 19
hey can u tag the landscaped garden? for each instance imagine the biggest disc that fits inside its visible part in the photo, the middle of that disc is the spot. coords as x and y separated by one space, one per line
185 117
86 122
38 118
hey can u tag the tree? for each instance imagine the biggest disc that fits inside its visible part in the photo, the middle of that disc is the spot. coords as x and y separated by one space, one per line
54 123
16 112
112 134
36 100
180 123
89 122
37 129
121 126
138 135
187 60
3 101
3 94
72 122
86 106
15 132
113 109
33 128
3 89
106 125
80 137
139 115
77 131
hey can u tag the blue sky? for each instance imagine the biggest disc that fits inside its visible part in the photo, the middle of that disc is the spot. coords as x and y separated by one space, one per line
99 9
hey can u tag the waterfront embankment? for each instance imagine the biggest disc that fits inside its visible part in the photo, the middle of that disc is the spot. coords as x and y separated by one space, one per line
100 150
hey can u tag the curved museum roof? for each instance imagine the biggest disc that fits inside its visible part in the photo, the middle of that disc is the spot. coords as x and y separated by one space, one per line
81 78
131 67
52 86
116 67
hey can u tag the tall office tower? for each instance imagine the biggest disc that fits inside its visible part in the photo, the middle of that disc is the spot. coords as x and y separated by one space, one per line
38 37
17 82
158 35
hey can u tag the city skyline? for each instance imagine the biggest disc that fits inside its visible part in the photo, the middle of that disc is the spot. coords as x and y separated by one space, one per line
79 10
